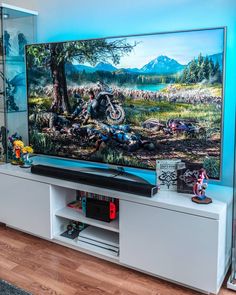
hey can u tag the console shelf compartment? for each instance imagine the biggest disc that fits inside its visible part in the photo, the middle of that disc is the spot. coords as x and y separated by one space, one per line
71 214
88 248
100 241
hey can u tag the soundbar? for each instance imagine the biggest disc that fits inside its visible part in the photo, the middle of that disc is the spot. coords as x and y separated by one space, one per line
122 185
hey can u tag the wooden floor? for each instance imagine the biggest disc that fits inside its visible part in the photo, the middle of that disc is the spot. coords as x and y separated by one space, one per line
42 267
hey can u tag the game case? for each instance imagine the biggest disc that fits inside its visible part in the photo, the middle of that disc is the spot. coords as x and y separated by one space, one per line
76 205
187 176
166 171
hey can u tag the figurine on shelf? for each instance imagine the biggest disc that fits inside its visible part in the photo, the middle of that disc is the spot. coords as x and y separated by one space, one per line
199 189
27 162
22 41
202 175
18 145
1 46
21 154
7 44
10 145
73 229
11 86
3 143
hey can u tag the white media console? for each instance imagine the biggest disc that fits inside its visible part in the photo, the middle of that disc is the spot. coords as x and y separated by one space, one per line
167 236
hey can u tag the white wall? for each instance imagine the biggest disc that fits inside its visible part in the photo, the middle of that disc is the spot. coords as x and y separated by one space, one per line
28 4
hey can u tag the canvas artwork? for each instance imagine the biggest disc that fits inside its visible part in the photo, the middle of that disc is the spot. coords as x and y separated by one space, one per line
129 100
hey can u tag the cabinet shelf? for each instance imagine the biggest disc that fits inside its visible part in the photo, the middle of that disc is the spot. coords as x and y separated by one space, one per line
69 213
2 110
14 58
86 247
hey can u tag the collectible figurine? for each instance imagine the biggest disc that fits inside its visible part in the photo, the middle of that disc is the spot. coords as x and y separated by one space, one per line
22 41
20 153
10 145
18 145
73 229
1 46
26 151
199 189
7 43
203 175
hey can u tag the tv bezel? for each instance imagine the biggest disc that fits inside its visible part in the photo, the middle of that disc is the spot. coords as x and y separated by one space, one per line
106 164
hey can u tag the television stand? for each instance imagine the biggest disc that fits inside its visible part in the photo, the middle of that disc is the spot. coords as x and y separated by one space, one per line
167 236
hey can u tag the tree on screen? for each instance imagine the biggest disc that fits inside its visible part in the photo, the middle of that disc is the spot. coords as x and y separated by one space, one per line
55 56
202 69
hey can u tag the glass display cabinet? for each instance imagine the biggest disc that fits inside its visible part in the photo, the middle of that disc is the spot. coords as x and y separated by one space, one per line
17 28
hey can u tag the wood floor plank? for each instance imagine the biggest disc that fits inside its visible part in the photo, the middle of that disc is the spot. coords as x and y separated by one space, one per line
36 242
68 277
44 268
98 275
92 291
124 292
11 241
45 280
70 254
157 286
113 290
6 263
56 261
19 257
24 282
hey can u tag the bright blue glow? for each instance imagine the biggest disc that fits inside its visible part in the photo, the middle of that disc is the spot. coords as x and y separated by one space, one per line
91 19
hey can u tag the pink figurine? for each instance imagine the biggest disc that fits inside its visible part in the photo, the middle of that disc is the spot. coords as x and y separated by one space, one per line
200 187
202 175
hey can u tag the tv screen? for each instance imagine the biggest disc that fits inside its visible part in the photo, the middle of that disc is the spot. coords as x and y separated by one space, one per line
129 100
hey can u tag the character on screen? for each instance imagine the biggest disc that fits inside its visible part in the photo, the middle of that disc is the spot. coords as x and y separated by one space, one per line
91 107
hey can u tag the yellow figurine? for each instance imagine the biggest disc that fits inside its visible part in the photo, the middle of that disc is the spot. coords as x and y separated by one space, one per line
26 151
21 154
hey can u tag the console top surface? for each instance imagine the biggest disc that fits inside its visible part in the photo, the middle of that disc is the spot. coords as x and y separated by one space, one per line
222 195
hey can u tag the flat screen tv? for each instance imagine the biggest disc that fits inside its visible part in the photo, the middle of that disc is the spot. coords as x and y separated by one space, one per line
129 100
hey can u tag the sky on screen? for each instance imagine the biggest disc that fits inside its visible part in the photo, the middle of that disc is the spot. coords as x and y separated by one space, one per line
182 47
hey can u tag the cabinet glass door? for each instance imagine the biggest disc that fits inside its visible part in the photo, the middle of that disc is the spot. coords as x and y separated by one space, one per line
17 30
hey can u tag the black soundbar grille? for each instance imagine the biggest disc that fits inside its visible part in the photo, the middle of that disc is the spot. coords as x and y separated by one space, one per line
117 184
